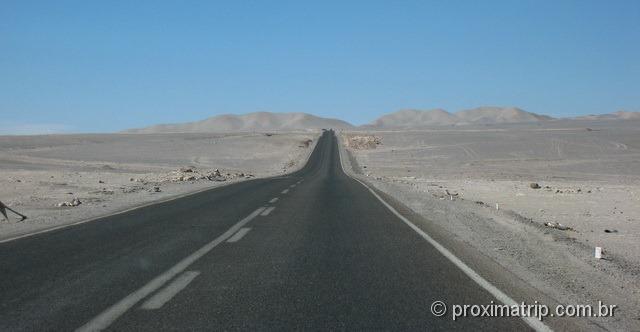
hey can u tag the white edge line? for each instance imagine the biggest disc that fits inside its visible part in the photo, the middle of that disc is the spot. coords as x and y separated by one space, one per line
493 290
104 319
167 293
267 211
239 234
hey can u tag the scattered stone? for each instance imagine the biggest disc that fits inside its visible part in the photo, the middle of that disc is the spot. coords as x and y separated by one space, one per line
215 176
193 174
100 181
133 189
74 202
534 185
155 189
611 231
363 142
557 225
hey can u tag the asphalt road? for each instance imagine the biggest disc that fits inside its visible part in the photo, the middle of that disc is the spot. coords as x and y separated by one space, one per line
326 255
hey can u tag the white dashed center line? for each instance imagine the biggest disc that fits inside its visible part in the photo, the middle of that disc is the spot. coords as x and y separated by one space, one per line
240 234
104 319
273 200
167 293
267 211
285 191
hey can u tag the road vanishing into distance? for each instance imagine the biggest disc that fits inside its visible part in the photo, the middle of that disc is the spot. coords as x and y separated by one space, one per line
312 250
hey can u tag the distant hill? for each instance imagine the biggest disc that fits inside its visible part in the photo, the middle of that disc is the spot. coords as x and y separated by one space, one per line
259 121
620 115
439 117
412 118
496 115
403 119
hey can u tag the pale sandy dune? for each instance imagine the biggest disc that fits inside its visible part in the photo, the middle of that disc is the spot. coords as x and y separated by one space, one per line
408 119
110 172
412 118
488 115
259 121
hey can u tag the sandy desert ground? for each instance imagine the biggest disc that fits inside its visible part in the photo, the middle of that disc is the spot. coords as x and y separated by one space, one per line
588 175
112 172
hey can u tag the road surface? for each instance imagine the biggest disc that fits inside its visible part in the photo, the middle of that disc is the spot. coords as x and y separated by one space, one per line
313 250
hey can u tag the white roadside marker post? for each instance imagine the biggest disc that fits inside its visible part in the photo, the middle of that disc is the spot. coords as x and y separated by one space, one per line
598 253
497 206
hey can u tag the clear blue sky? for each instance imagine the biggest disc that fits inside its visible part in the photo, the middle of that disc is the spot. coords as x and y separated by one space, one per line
90 66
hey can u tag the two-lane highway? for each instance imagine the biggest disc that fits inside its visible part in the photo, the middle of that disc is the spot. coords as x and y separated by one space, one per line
312 250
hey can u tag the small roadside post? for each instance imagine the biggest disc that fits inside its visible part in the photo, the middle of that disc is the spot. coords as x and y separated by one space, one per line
4 208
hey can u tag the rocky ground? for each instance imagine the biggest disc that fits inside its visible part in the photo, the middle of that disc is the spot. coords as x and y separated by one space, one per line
536 199
61 179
